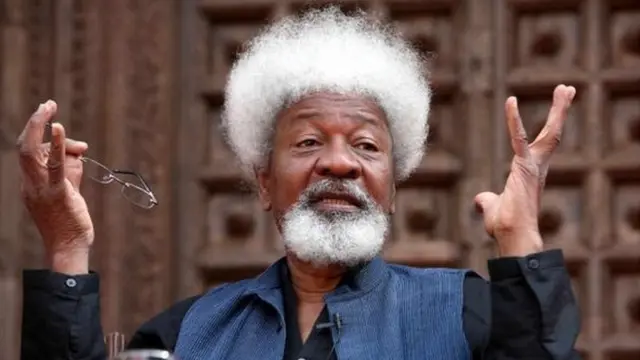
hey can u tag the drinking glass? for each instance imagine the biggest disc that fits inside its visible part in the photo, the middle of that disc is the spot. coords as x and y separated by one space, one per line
142 354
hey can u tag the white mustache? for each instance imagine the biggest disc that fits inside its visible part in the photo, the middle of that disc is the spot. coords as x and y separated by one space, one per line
343 187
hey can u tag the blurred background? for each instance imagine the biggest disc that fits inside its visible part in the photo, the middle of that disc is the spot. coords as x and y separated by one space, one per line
142 82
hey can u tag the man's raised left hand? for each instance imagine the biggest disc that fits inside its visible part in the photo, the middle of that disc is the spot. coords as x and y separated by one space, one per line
512 216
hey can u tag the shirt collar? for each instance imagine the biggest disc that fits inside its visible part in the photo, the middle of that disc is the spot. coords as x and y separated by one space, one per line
358 279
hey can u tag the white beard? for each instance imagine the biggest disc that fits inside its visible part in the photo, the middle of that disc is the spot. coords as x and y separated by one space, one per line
344 238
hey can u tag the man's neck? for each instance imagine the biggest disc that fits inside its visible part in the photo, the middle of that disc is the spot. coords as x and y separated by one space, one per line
312 283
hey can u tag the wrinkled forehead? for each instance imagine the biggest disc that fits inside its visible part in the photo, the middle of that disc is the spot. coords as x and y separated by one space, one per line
323 105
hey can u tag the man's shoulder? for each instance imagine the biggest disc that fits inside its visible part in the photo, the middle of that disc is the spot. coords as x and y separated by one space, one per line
439 284
412 273
421 272
161 331
229 290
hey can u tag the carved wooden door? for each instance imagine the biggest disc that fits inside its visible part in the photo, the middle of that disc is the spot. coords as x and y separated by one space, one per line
142 82
480 52
435 222
110 67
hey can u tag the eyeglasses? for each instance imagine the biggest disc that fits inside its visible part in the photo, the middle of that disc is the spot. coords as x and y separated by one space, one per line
133 187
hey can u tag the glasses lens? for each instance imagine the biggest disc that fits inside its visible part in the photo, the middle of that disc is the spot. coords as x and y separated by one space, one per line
97 172
138 196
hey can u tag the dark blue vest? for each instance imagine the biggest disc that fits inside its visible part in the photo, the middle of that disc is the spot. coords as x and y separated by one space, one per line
388 312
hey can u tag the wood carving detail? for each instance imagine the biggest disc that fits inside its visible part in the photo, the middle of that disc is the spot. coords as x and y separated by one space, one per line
221 159
148 128
239 232
561 220
39 89
626 216
548 39
624 38
623 130
424 228
620 304
444 158
432 33
80 101
39 27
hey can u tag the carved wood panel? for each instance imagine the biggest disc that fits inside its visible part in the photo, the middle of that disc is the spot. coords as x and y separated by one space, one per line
111 68
590 205
142 82
12 67
479 54
431 231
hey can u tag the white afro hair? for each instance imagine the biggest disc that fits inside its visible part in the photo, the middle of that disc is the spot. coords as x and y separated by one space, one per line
326 50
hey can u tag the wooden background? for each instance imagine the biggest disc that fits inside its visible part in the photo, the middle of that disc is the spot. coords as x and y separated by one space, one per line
141 81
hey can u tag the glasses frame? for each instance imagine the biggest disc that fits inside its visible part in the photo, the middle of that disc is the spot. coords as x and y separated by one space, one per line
112 176
146 189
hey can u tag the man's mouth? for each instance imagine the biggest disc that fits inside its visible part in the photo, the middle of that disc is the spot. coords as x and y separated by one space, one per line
328 201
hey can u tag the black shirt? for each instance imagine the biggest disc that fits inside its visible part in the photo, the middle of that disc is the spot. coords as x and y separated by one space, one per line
515 316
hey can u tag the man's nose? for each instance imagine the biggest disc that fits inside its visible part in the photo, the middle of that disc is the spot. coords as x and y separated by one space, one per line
338 160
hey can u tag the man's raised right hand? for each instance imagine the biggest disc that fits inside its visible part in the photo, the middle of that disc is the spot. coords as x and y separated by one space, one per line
51 177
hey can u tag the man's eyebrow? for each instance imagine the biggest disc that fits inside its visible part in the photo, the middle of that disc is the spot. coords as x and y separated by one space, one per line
360 115
369 118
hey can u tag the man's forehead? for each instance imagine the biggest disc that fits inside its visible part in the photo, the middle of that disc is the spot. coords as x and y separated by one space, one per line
330 105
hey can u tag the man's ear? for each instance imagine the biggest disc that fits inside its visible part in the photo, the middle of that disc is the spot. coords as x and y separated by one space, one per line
263 179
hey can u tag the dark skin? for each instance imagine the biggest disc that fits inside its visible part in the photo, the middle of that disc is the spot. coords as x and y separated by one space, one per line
326 135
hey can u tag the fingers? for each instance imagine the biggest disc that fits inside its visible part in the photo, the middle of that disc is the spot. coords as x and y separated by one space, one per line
74 147
518 135
550 136
33 133
29 142
562 98
55 163
485 201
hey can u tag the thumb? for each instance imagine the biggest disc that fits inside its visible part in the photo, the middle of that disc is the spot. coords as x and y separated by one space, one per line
485 201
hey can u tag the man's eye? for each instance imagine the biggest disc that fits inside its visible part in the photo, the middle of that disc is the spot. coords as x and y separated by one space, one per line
307 143
367 147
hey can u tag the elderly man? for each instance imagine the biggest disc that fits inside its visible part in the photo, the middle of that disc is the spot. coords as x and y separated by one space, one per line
327 113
